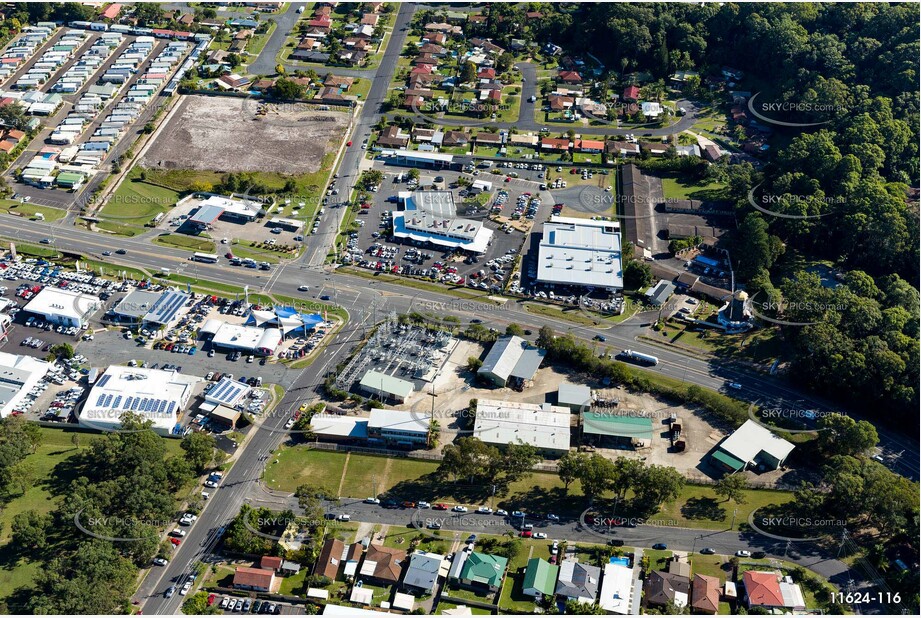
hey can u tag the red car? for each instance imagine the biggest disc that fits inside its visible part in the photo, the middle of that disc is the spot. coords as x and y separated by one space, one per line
348 143
440 507
526 534
211 598
175 541
228 255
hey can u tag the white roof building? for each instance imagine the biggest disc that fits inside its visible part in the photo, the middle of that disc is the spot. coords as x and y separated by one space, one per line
581 252
431 216
249 339
63 307
543 426
424 570
399 425
18 375
753 444
651 109
616 589
156 395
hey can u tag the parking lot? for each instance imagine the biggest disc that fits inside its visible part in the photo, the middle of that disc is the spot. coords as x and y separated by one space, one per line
372 247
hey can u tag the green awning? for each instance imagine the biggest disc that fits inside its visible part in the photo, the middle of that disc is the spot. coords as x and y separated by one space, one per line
727 459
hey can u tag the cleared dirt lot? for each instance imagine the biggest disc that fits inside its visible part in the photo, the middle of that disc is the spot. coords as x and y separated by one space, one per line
226 134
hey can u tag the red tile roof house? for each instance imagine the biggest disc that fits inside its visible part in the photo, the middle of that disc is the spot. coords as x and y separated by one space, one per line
422 69
324 25
15 135
6 146
705 594
426 59
270 563
487 73
438 38
336 81
588 145
559 103
631 94
570 77
369 19
557 144
764 589
412 103
620 149
488 139
433 49
455 138
262 580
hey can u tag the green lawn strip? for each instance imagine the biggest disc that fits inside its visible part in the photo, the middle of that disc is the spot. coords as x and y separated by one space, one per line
709 565
244 249
119 229
657 558
294 584
700 507
29 210
106 269
409 282
137 201
220 577
258 41
39 251
205 285
187 243
575 315
289 468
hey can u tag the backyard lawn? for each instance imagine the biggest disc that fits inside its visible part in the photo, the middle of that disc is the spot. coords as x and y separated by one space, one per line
677 188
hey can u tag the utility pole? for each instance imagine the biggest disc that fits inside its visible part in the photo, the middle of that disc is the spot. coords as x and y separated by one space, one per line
843 539
734 513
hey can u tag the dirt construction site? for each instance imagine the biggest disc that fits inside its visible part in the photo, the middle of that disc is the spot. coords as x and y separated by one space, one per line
231 134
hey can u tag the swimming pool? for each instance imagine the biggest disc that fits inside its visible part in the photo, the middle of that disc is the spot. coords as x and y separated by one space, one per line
620 560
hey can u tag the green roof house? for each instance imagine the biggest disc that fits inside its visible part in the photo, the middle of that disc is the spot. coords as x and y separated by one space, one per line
539 577
478 571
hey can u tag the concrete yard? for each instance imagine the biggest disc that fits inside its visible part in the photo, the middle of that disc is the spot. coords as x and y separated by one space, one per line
226 134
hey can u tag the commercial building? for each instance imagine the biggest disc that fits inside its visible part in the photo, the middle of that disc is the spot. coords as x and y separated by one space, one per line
543 426
153 394
539 578
338 428
581 252
245 339
63 307
18 375
133 307
614 429
415 158
400 427
617 589
576 397
511 360
288 320
478 571
660 292
227 392
752 445
431 217
227 209
385 386
578 581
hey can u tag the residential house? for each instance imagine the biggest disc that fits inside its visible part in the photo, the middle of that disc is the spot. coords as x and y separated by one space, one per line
705 594
422 69
560 103
651 109
242 35
186 20
662 588
486 73
555 144
532 15
690 150
426 59
588 145
569 77
631 94
539 578
352 557
425 93
424 571
336 81
333 95
412 103
370 19
307 55
352 57
433 49
15 135
260 580
772 591
270 563
322 25
7 146
455 138
578 581
364 32
393 137
357 44
488 46
420 80
623 149
330 561
655 149
437 38
422 135
523 139
476 18
712 153
489 139
383 566
478 571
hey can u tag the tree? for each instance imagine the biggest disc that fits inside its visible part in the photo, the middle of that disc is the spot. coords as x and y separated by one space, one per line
842 435
569 467
468 73
596 474
197 604
504 62
575 608
474 364
62 350
199 449
637 275
414 174
467 458
732 487
30 530
514 329
309 498
287 89
655 486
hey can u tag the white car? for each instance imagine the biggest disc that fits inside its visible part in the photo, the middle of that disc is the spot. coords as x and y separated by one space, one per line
540 535
185 588
502 513
484 510
743 553
372 501
345 517
160 561
303 288
460 509
178 532
211 484
189 518
423 505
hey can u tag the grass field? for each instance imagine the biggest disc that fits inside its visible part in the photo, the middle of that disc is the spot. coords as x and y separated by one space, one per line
244 249
188 243
700 507
677 188
136 202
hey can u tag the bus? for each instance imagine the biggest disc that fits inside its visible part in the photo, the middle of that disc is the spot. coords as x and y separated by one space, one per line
210 258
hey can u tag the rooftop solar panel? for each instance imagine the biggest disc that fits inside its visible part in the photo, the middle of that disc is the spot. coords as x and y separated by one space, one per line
117 401
103 380
99 401
172 406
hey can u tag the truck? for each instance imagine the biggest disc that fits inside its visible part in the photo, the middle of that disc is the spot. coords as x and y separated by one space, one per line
638 358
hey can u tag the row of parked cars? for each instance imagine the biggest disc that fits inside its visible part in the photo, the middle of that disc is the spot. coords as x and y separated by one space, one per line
44 272
247 606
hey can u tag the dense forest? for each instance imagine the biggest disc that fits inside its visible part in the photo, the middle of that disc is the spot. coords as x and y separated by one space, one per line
844 183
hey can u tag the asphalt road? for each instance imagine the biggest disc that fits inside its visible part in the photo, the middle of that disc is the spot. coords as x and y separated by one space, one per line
265 62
